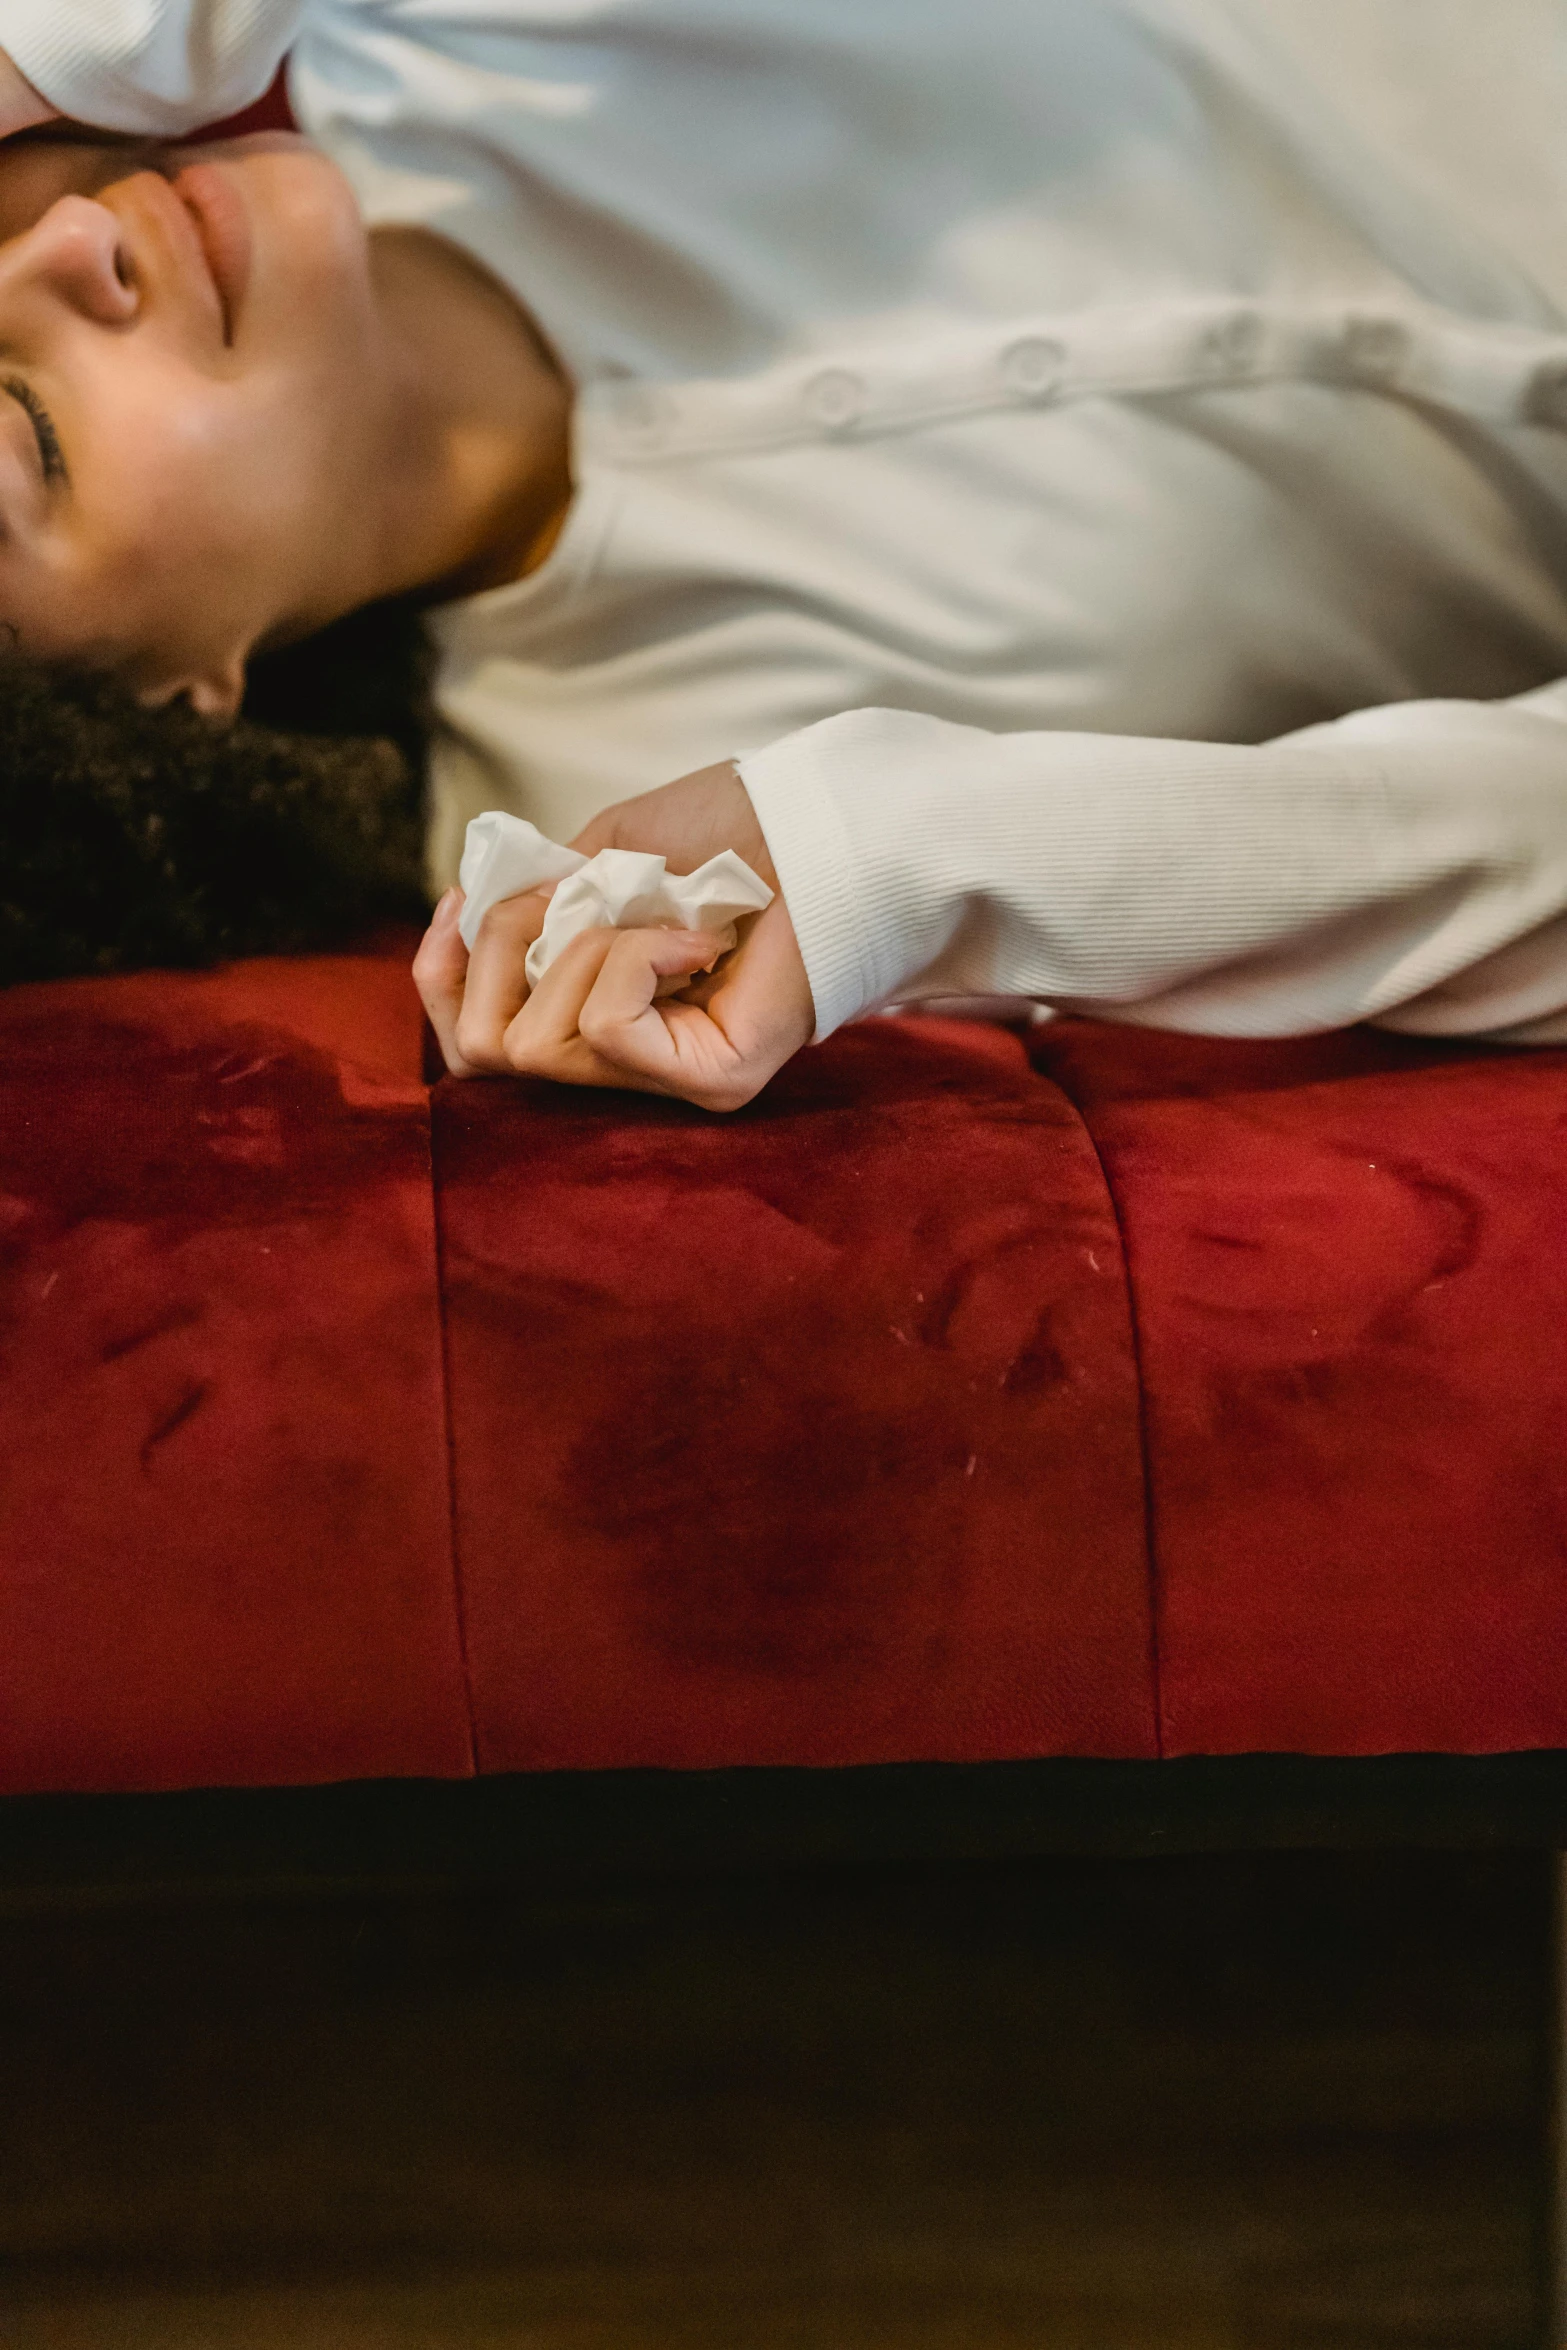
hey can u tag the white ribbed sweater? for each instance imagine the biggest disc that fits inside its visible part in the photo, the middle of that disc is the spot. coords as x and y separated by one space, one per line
970 397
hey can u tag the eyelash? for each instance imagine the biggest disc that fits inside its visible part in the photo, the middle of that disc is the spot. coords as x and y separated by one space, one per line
48 439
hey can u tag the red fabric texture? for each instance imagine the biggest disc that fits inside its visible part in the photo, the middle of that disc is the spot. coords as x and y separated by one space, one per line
1350 1278
815 1436
807 1436
224 1522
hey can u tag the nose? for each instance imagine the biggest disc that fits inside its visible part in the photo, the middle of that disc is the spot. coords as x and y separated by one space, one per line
77 253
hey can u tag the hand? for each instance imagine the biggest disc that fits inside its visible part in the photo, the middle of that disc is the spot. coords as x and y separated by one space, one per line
593 1018
685 823
21 106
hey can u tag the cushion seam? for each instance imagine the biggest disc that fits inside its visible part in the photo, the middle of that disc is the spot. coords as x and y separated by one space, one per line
449 1436
1150 1541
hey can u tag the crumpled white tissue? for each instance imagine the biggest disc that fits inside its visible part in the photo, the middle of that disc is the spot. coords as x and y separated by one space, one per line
503 856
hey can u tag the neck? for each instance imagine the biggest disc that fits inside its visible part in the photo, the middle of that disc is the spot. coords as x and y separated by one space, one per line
472 477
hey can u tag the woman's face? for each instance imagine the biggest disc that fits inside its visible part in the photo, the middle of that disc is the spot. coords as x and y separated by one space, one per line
186 342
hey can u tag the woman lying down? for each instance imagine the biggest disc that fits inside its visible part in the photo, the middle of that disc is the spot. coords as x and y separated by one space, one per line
1073 491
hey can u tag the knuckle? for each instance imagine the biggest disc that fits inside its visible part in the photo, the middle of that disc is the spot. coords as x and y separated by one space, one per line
526 1057
744 1087
723 1099
476 1048
511 919
597 1028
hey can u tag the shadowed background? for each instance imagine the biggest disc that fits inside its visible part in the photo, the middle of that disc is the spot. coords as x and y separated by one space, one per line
1285 2103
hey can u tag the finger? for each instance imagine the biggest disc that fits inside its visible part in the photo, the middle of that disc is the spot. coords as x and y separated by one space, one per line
496 982
760 996
601 987
717 1055
752 1016
439 969
645 1038
628 1036
705 985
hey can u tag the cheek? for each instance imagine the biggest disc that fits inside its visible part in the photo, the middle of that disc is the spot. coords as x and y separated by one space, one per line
180 520
306 213
198 472
311 292
30 181
34 177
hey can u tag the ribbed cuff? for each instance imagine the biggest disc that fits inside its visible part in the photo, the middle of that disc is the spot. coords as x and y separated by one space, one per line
87 57
816 865
52 45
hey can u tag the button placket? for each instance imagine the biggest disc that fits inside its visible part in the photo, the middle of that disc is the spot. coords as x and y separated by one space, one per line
835 398
1231 346
1375 349
1116 354
1032 368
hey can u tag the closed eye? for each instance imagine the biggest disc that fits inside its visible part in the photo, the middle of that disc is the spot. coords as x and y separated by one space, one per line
50 455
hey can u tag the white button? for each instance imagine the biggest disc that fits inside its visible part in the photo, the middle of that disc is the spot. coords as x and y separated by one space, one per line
1231 346
1375 348
641 411
1032 366
1548 393
835 397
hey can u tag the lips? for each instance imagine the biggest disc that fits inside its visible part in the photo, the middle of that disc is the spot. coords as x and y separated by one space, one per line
222 224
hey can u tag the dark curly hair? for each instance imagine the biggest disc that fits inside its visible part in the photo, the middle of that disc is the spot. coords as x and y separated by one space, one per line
131 837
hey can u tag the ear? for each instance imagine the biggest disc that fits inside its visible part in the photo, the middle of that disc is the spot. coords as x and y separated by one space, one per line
212 693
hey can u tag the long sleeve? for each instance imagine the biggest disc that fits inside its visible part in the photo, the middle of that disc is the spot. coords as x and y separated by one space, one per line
1405 866
157 67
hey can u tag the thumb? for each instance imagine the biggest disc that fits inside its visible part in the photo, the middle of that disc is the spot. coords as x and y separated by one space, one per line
602 833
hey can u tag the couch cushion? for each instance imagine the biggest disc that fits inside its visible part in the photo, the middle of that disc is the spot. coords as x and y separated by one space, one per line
1350 1280
807 1436
810 1436
224 1521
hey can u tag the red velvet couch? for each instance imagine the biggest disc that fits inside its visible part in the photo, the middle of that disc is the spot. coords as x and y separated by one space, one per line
1058 1411
1113 1443
1116 1396
1107 1395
